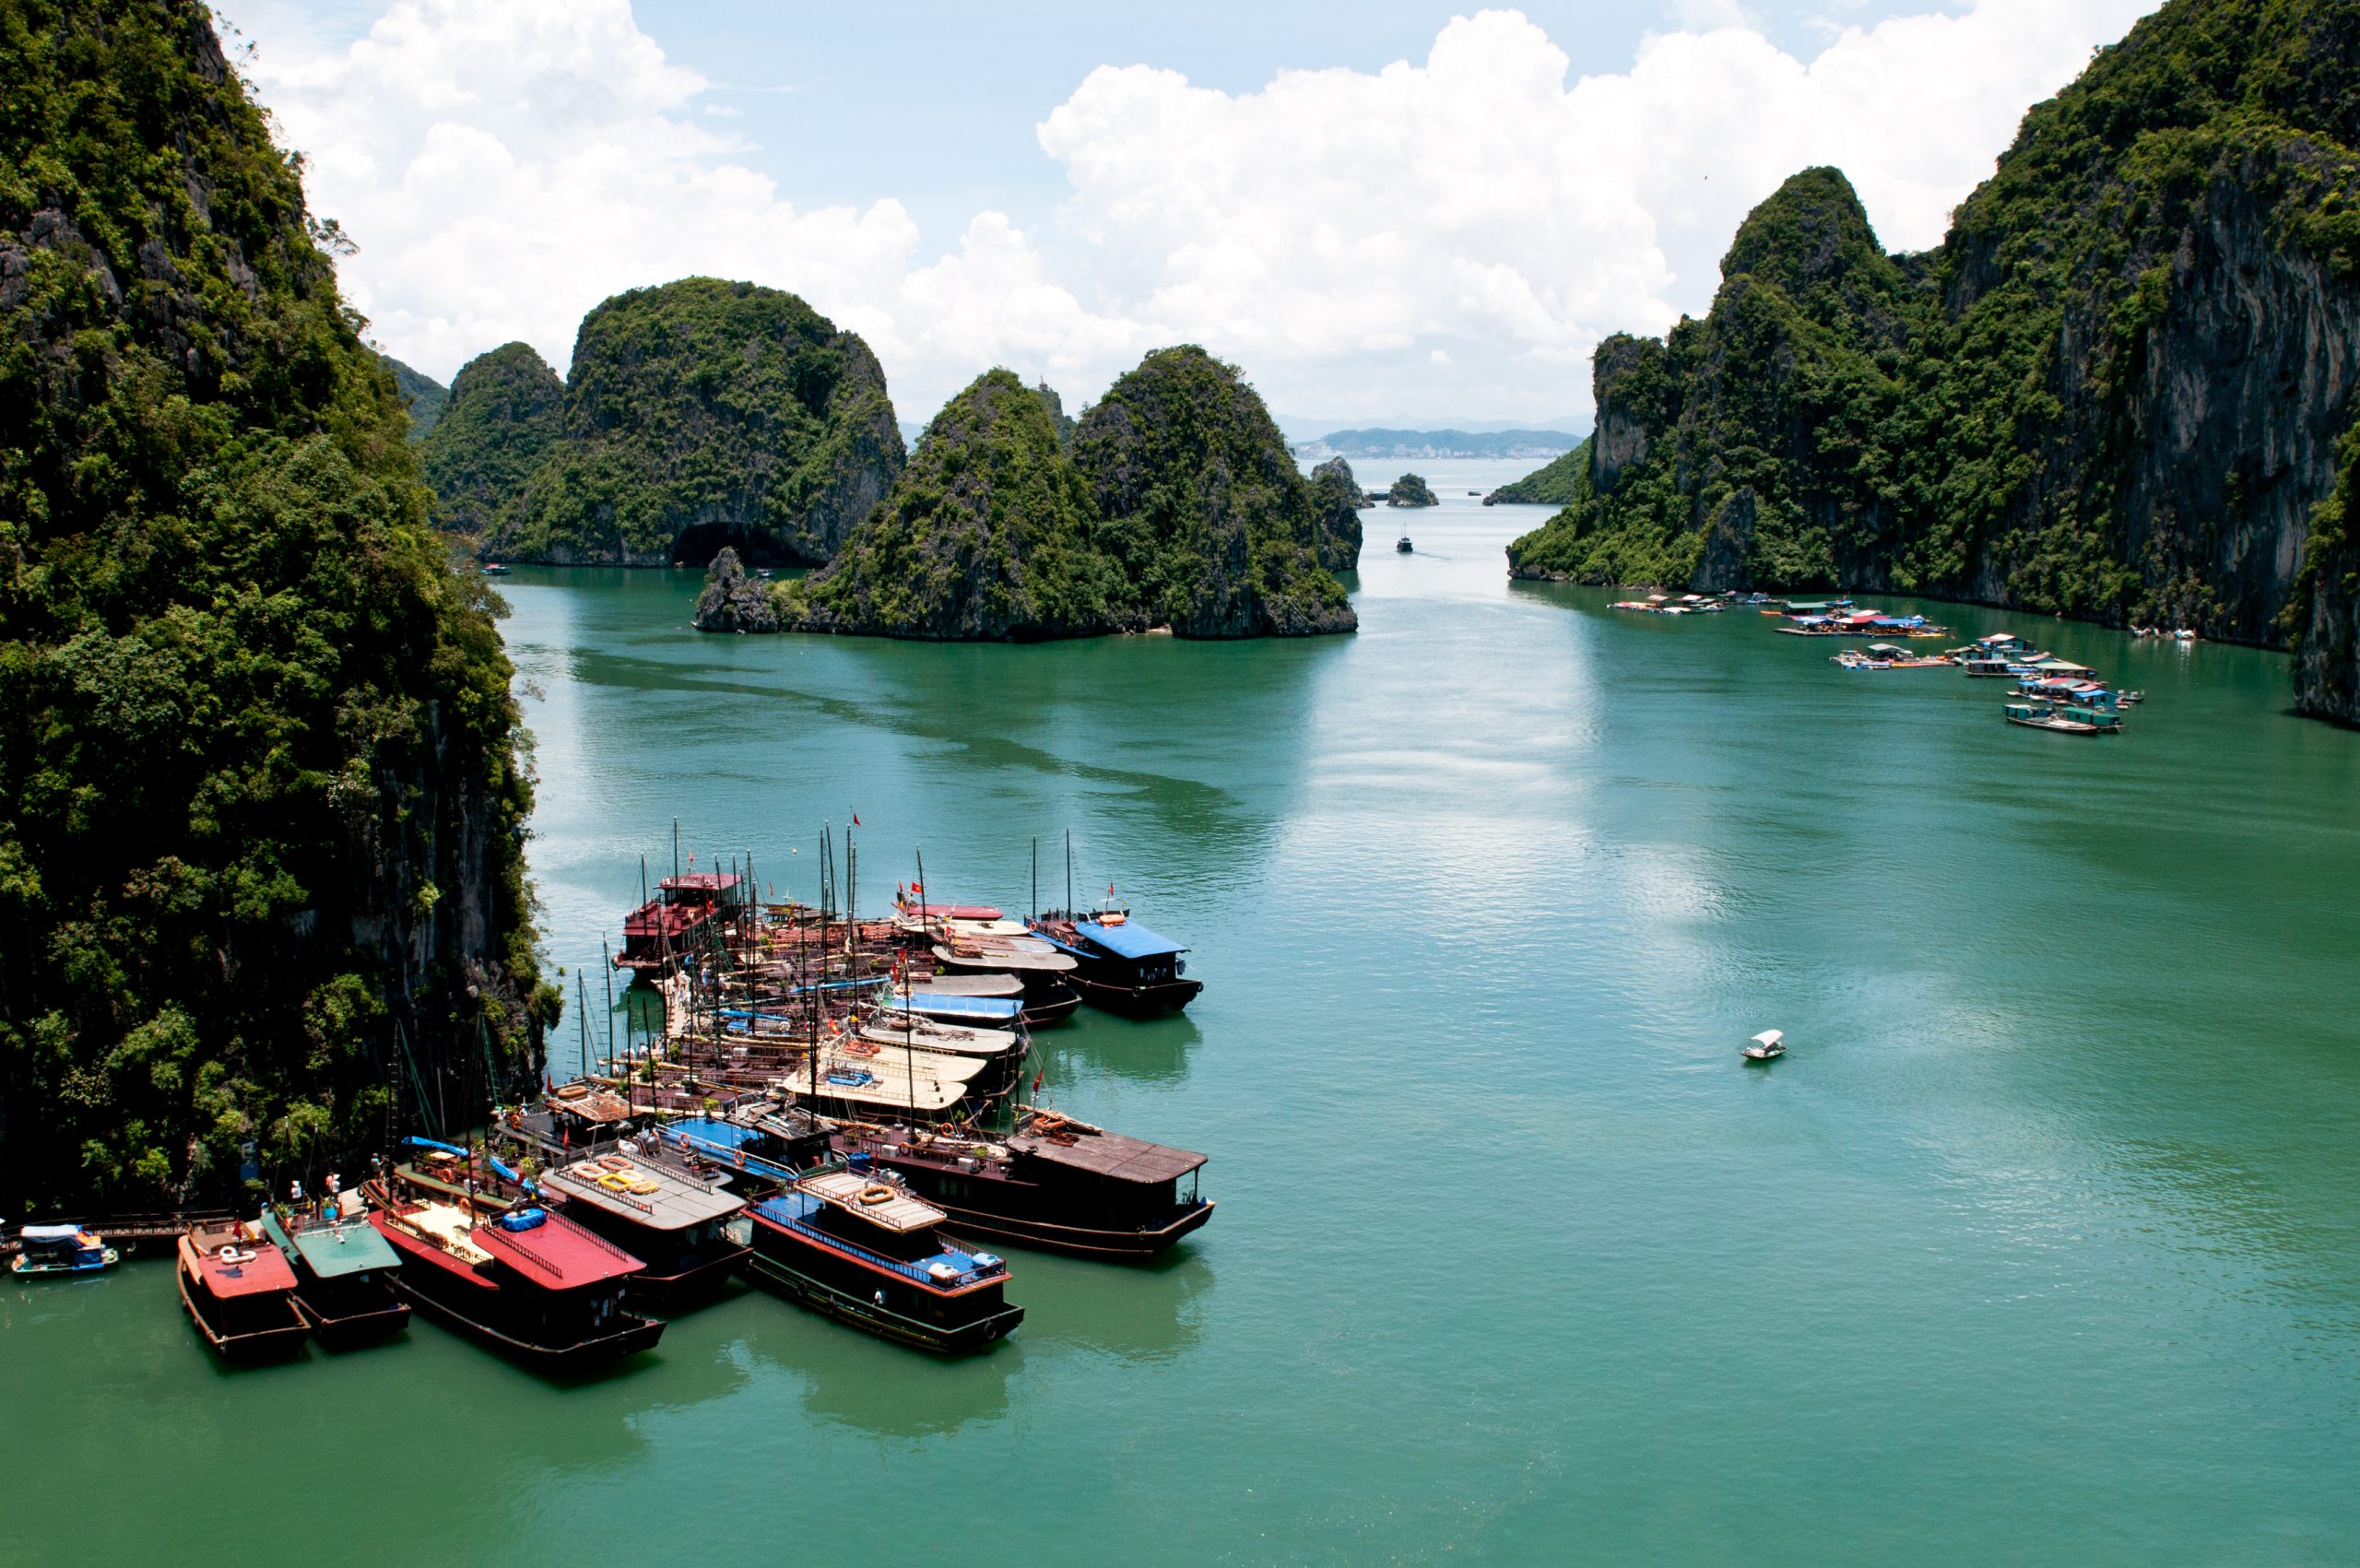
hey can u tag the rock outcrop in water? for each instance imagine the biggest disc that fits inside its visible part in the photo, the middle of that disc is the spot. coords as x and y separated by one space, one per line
1176 507
261 808
697 413
2116 392
1336 500
497 430
1411 490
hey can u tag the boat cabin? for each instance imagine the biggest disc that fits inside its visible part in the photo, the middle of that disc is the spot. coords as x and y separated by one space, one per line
1106 1179
659 931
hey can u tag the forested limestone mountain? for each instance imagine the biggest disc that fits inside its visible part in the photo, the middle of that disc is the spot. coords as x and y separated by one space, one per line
261 806
1557 482
2118 391
695 415
421 393
1176 506
496 430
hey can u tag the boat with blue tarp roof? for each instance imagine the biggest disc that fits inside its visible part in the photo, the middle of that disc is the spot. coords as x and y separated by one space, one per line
850 1240
1119 964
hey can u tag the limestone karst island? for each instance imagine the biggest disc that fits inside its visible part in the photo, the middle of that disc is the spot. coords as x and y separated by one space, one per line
1390 786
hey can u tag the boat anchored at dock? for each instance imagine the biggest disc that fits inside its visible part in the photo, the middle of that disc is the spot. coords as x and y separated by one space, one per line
678 1226
852 1241
529 1283
341 1265
238 1290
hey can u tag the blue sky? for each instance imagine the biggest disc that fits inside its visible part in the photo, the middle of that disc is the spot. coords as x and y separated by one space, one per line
1385 210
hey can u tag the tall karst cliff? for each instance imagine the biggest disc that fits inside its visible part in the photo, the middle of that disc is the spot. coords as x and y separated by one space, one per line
261 807
2117 391
496 428
1175 504
697 415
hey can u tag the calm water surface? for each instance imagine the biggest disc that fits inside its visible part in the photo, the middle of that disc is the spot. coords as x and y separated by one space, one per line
2043 1246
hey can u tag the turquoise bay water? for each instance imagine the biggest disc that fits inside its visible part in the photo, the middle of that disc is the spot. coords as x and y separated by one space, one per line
2043 1246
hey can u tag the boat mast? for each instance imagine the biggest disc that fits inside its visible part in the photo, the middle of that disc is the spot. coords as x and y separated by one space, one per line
1069 874
608 959
1035 914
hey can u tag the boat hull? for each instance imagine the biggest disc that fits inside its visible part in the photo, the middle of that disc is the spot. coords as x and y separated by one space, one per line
1075 1241
1137 1001
631 1336
861 1313
342 1326
271 1341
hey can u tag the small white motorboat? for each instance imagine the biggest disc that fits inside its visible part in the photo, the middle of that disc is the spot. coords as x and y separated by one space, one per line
1766 1046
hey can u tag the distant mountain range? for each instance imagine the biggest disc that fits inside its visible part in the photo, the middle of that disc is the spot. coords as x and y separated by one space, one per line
1389 444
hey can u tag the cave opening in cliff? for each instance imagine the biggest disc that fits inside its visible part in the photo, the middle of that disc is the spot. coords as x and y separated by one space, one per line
699 542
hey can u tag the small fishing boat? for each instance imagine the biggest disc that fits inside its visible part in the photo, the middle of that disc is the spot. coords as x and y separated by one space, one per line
851 1241
1047 1000
1121 965
237 1287
2063 721
340 1264
1766 1046
1402 545
493 569
528 1284
60 1250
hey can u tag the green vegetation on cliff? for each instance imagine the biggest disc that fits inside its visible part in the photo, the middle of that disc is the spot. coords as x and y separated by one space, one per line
421 393
1411 490
1336 500
2116 392
988 535
496 430
703 413
260 797
1560 482
1176 506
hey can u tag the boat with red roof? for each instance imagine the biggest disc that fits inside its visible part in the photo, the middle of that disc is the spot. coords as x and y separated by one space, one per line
238 1290
529 1283
660 931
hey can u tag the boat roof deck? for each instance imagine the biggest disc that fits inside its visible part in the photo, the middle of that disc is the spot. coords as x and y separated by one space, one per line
260 1268
557 1254
1112 1156
1128 939
675 1205
901 1213
451 1225
348 1246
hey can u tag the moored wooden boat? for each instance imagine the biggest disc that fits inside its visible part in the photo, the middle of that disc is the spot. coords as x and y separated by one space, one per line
529 1283
856 1245
340 1264
60 1251
675 1226
238 1290
1121 965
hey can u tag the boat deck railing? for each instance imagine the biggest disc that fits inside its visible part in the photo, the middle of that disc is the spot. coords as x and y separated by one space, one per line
793 1210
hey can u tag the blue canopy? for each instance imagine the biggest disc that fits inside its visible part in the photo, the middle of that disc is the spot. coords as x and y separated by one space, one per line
963 1009
1129 940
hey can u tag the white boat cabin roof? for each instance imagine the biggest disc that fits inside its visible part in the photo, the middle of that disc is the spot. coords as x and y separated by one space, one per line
843 1189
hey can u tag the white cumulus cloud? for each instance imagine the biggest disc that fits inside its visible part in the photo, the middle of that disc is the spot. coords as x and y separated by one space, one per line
1451 234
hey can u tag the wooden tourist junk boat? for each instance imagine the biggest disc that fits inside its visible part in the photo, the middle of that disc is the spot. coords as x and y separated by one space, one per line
529 1283
237 1287
474 1178
59 1251
659 932
1119 964
852 1241
1055 1183
677 1226
342 1267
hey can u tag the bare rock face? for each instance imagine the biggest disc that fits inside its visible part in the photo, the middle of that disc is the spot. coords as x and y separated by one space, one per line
734 600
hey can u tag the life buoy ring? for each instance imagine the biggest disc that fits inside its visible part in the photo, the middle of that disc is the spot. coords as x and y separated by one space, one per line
614 1162
870 1196
860 1047
615 1181
232 1254
573 1091
646 1184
